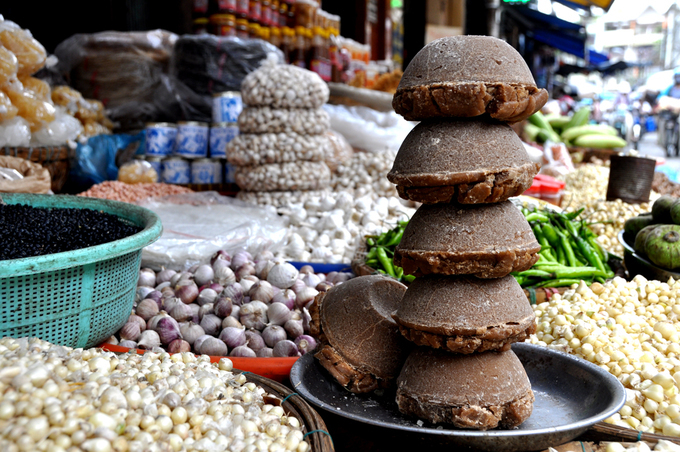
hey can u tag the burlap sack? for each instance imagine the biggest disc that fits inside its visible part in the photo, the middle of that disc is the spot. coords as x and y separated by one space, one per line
36 178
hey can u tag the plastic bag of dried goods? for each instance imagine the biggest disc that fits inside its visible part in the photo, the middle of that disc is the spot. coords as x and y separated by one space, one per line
64 129
30 106
137 171
211 64
368 129
30 54
34 178
15 132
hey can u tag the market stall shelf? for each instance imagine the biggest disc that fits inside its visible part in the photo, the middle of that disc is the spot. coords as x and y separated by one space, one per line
572 395
75 298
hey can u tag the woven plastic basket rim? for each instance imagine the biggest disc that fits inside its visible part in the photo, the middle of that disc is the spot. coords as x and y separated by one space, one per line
140 216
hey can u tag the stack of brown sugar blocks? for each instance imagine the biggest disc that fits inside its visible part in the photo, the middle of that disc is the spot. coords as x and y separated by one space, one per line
463 161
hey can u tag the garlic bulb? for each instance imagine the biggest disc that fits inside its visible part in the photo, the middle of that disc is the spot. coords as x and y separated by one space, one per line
191 331
148 340
146 309
213 347
282 275
206 296
262 291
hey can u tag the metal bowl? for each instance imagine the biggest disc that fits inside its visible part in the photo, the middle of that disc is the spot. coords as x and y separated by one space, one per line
572 394
638 265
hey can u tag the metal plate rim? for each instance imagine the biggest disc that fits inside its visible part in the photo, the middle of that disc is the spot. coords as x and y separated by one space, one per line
618 396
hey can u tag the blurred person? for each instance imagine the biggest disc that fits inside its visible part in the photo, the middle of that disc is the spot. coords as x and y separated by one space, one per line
667 109
673 91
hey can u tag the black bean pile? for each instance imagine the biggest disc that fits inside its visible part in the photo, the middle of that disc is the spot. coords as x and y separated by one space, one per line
27 231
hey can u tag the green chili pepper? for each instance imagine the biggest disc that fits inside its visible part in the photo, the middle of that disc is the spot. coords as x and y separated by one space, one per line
409 278
559 252
372 253
386 262
539 217
399 272
549 232
370 241
547 254
568 251
396 238
558 283
549 266
385 238
521 280
598 249
577 272
590 255
540 238
536 273
572 215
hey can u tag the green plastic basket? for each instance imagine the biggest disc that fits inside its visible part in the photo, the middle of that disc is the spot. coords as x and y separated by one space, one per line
76 298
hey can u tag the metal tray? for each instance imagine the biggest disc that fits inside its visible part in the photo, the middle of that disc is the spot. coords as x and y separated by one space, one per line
639 265
571 395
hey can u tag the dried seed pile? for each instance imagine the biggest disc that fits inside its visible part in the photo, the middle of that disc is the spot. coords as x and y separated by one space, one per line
27 231
121 191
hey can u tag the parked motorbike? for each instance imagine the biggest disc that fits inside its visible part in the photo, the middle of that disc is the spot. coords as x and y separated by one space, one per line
622 120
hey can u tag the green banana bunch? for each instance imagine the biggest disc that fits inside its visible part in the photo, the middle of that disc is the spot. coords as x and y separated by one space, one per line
572 130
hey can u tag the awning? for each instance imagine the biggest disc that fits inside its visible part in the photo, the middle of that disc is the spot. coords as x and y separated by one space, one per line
560 34
586 4
568 44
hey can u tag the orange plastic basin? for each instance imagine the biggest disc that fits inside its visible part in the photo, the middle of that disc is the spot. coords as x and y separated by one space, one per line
276 369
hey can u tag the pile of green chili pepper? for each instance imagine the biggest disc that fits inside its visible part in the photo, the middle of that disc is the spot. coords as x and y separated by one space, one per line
380 251
569 251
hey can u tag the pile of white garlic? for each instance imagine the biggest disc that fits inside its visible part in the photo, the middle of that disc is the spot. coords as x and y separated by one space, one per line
366 174
329 228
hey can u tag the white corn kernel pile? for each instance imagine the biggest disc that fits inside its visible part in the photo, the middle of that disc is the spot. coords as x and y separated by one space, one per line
632 330
661 445
57 399
587 187
610 217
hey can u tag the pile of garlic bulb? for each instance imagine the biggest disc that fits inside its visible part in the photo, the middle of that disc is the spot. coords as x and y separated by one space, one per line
329 228
365 174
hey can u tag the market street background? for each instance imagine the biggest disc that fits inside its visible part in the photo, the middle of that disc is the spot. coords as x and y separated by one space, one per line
649 147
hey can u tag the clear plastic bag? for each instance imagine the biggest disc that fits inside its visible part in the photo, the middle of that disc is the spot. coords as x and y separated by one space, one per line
196 225
556 160
136 172
368 129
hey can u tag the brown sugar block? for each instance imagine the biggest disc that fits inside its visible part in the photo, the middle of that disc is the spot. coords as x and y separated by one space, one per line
361 346
464 314
465 76
468 161
478 391
485 240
